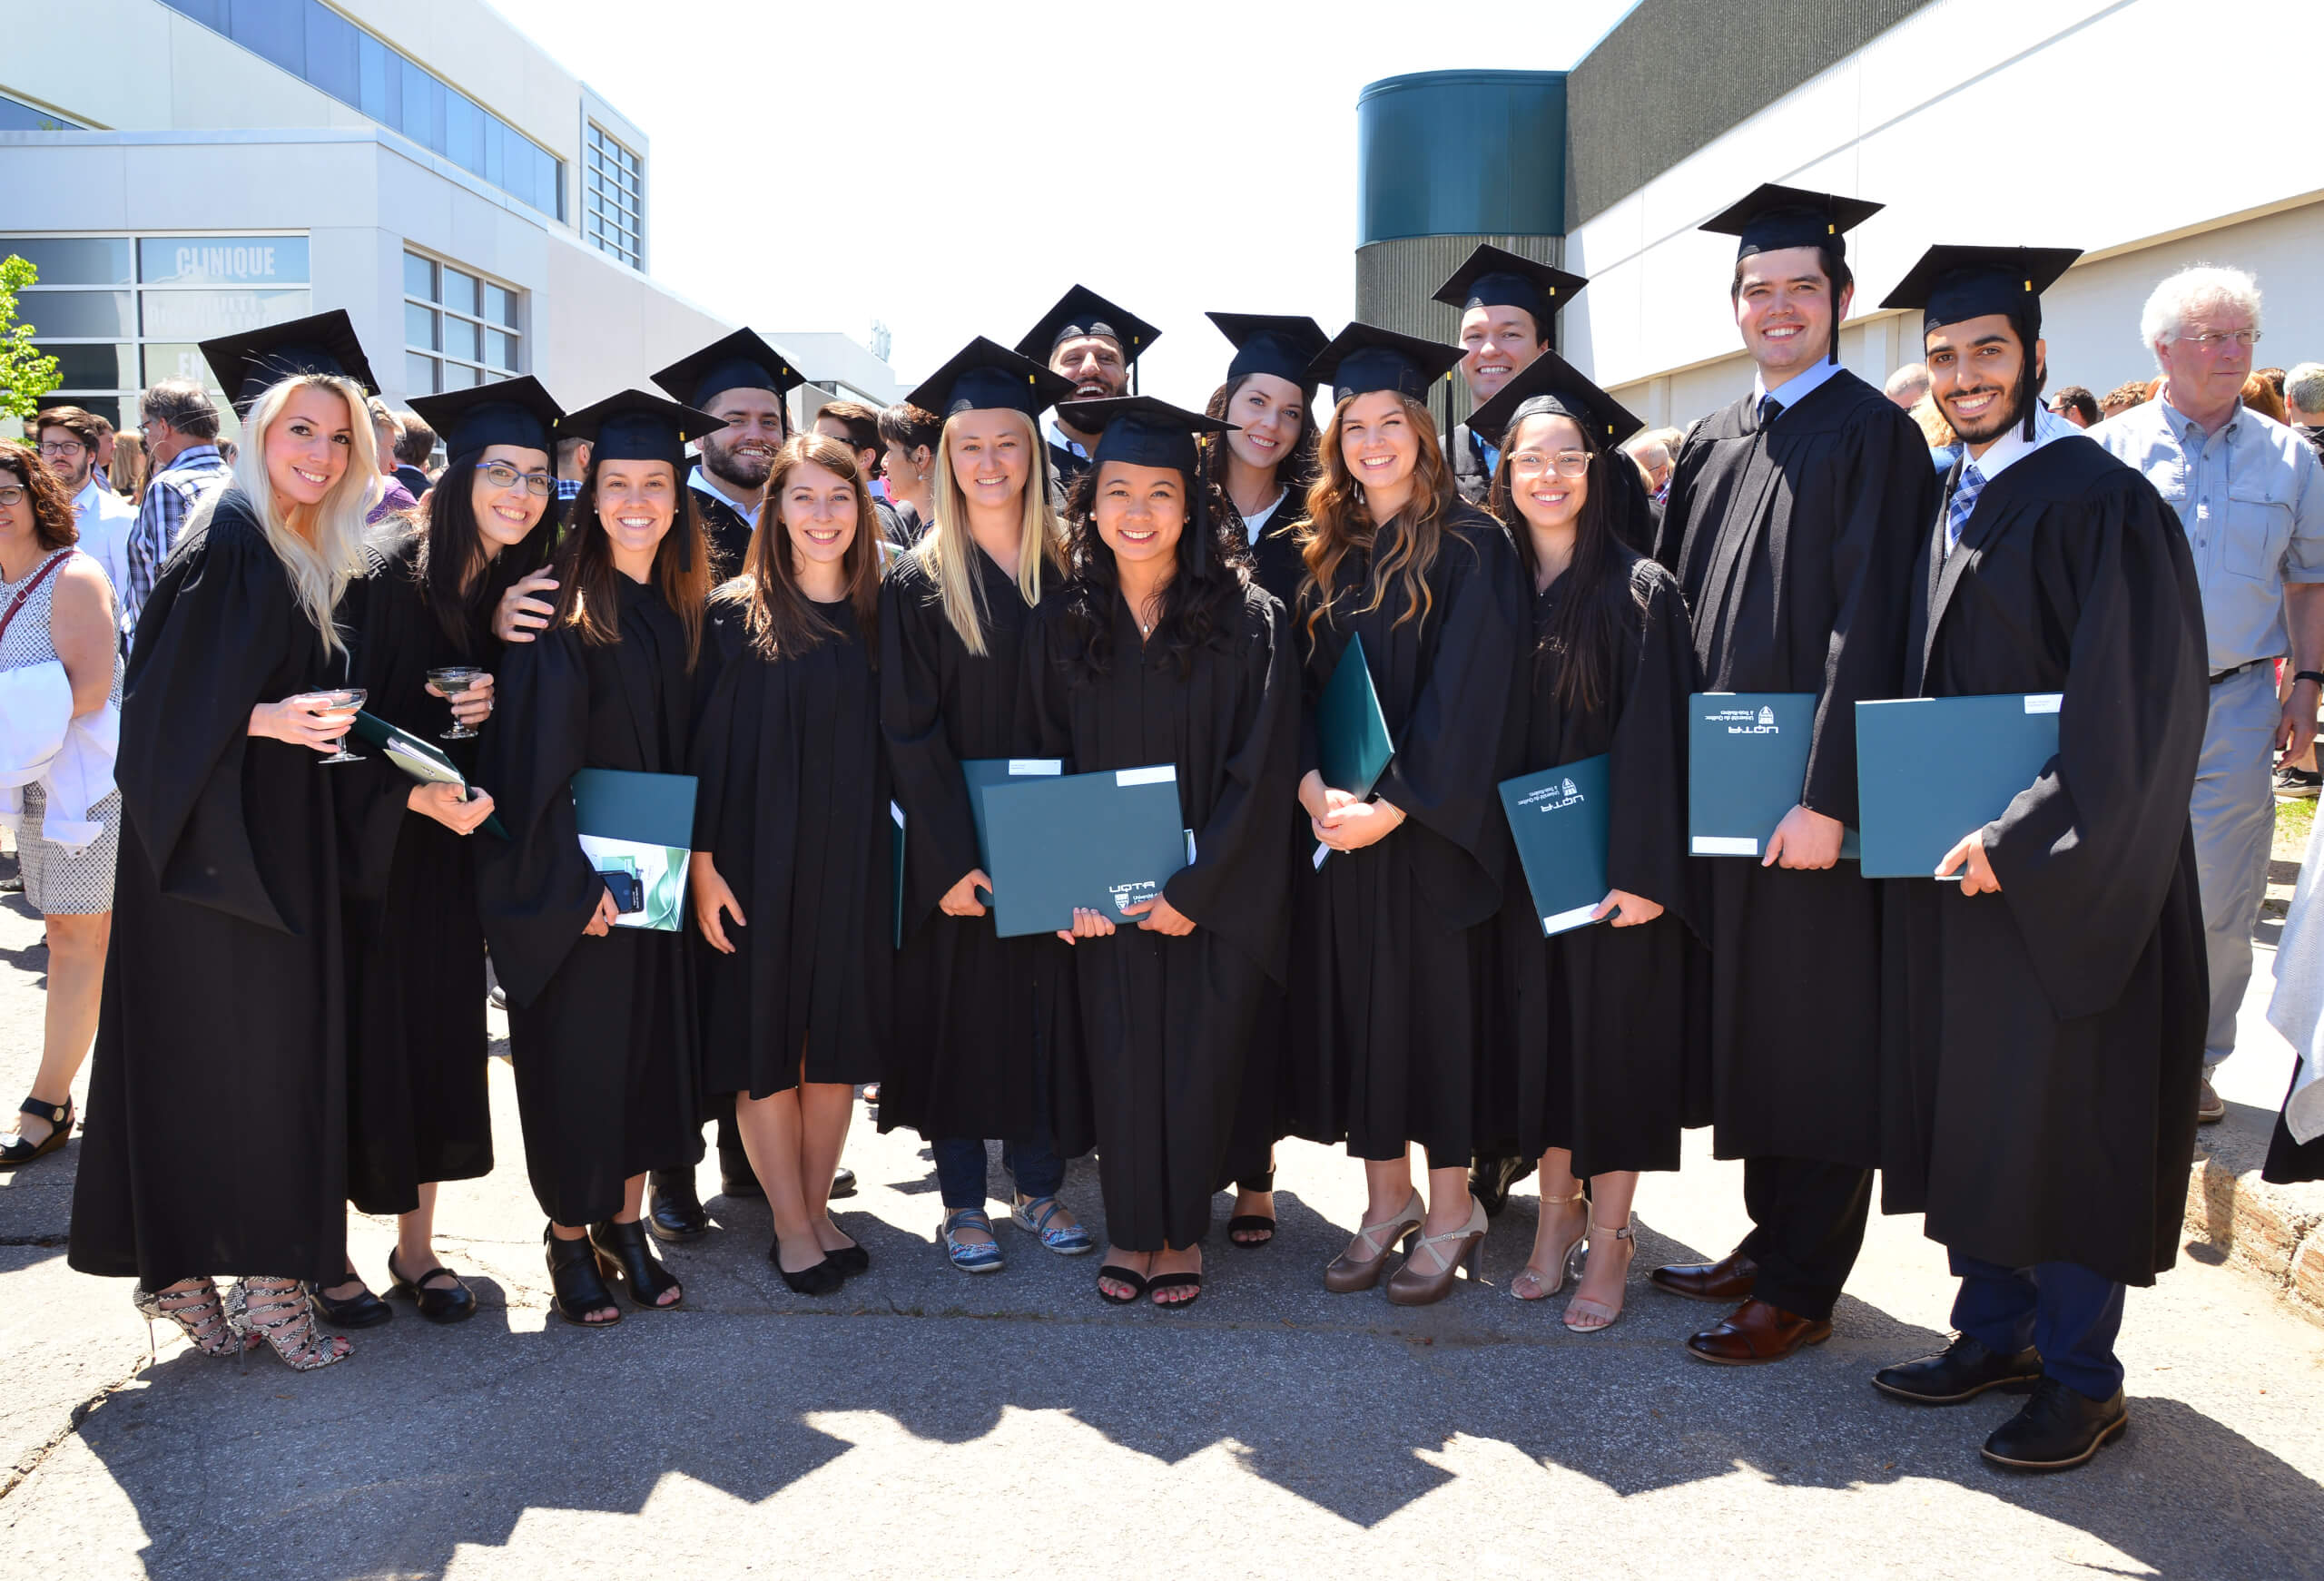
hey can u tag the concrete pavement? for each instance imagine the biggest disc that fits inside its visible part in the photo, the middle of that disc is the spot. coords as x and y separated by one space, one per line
926 1424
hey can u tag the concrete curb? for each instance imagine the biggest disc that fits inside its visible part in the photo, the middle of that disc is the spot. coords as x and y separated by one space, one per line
2275 1232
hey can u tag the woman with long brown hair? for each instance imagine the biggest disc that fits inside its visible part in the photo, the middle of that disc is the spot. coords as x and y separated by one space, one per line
792 870
1391 938
600 1015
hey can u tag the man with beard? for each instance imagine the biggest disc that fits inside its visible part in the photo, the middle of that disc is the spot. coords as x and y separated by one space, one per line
2044 1019
1791 523
1097 345
743 380
1509 313
71 442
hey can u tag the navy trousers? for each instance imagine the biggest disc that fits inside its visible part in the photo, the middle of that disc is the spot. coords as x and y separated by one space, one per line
2063 1310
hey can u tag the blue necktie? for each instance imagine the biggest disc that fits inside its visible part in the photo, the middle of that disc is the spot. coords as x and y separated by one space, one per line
1963 504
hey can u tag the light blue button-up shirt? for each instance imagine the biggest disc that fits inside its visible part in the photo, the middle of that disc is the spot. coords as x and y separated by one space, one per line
2251 496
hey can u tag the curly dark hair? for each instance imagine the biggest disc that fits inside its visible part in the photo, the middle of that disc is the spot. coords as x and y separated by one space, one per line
1199 605
54 523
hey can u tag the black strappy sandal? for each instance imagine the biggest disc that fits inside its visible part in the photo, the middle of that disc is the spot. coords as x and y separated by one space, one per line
60 1131
1119 1275
438 1303
1245 1223
573 1276
624 1257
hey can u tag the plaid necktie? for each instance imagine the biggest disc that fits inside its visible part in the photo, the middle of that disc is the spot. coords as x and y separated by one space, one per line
1963 504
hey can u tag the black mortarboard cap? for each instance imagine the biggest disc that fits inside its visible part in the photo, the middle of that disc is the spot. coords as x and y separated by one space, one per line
1364 358
247 364
1775 217
1144 431
738 362
985 375
1279 344
1494 277
1951 283
636 426
1082 312
1551 384
515 411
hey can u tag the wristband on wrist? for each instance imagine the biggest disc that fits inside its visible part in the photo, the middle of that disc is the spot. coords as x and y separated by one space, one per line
2315 675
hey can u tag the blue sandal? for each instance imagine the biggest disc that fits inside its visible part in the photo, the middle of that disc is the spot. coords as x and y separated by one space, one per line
972 1257
1065 1240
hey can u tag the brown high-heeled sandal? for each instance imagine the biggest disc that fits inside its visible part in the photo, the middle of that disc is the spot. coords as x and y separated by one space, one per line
194 1307
1414 1285
1582 1306
1528 1285
1347 1274
280 1312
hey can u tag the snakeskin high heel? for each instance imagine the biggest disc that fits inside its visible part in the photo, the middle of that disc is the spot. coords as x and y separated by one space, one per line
194 1307
279 1311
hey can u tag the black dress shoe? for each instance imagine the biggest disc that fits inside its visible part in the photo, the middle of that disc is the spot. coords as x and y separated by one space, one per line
438 1303
676 1212
817 1278
1491 1178
1963 1370
360 1311
736 1178
2058 1429
843 1181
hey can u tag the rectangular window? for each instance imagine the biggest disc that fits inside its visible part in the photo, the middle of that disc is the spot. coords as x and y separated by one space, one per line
459 329
613 213
321 46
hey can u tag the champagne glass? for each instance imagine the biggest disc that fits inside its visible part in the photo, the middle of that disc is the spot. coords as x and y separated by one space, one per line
343 697
451 680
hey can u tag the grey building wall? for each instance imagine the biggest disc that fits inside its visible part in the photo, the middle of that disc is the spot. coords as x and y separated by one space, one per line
1676 73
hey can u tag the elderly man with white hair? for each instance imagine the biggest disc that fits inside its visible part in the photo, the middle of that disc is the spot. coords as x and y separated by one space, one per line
2250 493
1907 385
2304 402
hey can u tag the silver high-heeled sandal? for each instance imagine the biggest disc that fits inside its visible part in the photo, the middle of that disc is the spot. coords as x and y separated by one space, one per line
1584 1306
1528 1285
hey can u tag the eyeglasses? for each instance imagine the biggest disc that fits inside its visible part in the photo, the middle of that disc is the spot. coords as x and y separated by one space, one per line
11 496
61 448
500 475
1568 463
2216 340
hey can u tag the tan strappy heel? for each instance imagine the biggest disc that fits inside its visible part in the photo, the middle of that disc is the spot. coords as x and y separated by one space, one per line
1598 1313
1416 1285
1529 1286
1347 1274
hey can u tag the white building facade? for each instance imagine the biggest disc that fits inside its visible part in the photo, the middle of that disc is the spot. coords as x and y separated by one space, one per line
179 171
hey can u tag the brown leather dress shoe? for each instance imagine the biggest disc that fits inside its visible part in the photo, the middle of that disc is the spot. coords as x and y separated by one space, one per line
1755 1332
1727 1281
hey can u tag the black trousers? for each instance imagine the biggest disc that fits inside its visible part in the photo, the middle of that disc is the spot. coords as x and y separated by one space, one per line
1807 1223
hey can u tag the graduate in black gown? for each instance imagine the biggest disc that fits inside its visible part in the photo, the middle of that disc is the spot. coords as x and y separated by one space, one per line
417 1111
1509 316
1594 1022
740 380
793 862
1094 346
2045 1013
601 1017
1264 466
987 1029
1791 524
1389 950
1161 649
216 1135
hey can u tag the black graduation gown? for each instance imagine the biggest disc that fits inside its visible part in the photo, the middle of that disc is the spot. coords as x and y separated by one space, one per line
1794 546
1470 477
216 1134
2289 1160
793 805
2044 1045
985 1027
601 1031
1389 948
1600 1028
1276 562
1166 1021
417 1046
727 531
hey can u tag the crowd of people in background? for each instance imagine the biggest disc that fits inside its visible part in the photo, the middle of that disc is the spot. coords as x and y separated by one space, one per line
828 627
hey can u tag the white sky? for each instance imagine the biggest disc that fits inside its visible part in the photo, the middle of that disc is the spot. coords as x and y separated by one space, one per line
951 168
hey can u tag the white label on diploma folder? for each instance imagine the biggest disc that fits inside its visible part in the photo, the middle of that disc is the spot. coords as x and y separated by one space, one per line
1161 774
897 813
1019 767
1723 845
2044 701
1559 922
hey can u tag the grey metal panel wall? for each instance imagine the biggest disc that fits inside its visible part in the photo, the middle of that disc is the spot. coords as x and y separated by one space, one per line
1676 73
1395 281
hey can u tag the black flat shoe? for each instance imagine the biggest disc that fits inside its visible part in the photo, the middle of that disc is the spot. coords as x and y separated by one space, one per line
2058 1429
843 1181
817 1278
360 1311
1962 1370
677 1213
60 1131
625 1258
573 1277
438 1303
849 1260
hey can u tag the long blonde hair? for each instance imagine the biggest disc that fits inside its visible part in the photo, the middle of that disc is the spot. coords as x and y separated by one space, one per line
947 550
322 545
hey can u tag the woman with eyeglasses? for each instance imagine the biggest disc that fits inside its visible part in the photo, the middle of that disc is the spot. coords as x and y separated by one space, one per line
417 1109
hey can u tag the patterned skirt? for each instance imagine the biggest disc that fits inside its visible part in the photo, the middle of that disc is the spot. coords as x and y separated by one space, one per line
61 885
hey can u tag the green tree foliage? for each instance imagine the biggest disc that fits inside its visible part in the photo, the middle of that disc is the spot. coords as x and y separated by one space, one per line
25 375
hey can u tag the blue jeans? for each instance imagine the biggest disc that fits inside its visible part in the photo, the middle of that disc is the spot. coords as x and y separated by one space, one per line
2068 1312
1033 1165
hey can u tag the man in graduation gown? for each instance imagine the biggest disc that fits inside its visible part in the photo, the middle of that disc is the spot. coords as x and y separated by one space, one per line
1096 344
1791 524
1509 313
743 380
2046 1013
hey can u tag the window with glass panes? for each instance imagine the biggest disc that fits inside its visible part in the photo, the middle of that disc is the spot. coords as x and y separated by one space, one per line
613 210
459 328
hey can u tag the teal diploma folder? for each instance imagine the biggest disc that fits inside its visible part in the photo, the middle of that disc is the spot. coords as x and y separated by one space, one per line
1747 764
982 773
1930 769
1558 818
637 830
1351 730
423 761
1103 841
